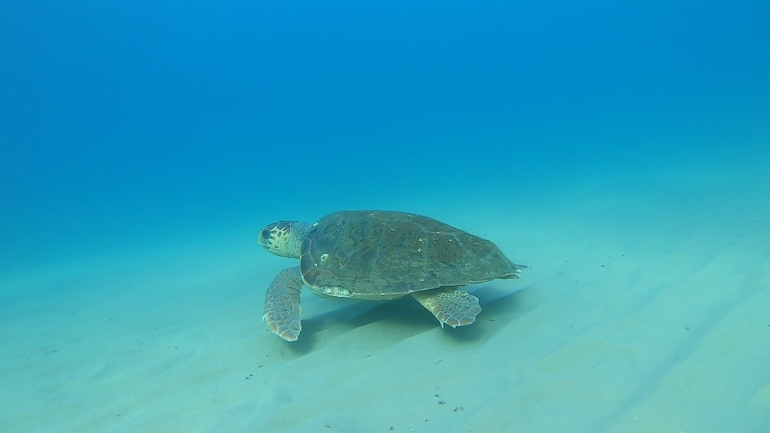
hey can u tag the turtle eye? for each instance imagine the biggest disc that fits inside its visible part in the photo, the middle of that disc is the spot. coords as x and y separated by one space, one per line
265 234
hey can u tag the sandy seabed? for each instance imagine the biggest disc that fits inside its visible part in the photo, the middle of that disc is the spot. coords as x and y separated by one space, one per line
646 309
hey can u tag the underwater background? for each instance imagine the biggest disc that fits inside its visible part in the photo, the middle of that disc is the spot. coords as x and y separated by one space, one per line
145 143
126 123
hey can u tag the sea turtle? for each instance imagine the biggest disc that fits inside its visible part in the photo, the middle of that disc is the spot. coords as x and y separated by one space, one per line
379 255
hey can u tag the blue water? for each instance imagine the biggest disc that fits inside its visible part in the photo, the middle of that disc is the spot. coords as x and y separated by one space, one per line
126 122
623 149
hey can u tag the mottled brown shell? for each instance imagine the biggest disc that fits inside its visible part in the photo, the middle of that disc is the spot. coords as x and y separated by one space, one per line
382 255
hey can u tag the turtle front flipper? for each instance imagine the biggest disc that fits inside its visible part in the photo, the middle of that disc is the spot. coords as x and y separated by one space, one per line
450 305
282 308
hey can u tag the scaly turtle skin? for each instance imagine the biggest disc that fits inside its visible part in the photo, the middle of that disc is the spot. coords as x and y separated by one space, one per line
380 255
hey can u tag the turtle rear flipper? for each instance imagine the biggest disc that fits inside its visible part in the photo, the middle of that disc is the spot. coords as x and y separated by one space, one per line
282 307
450 305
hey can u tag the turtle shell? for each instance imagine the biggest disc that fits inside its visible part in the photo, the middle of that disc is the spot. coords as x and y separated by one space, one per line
384 255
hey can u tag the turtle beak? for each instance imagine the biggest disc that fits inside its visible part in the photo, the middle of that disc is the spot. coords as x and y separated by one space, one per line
274 237
267 237
264 237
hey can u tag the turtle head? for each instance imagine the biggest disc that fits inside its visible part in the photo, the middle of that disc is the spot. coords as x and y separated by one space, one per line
284 238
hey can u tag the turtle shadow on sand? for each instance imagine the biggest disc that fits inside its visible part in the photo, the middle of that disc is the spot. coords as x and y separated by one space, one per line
388 322
391 322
